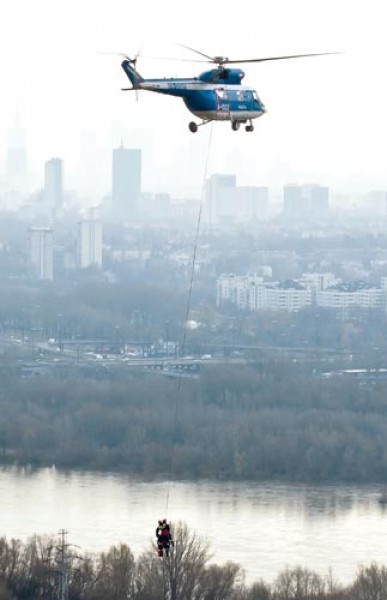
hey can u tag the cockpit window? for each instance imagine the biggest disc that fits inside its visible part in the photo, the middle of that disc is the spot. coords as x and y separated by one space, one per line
255 96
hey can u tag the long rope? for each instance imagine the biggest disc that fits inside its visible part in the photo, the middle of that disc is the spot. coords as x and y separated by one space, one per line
187 313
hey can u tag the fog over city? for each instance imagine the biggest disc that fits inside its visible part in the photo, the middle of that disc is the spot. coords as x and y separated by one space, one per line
326 116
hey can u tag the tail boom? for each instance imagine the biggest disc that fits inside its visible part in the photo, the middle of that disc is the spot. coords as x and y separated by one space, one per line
130 71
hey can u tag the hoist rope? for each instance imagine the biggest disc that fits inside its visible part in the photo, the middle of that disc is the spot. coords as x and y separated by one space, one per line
187 313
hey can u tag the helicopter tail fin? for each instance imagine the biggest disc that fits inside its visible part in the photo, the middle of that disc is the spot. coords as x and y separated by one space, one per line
129 67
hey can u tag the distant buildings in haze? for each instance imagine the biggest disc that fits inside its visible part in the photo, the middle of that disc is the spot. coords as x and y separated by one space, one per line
90 243
251 292
16 158
306 201
42 253
126 182
228 203
53 184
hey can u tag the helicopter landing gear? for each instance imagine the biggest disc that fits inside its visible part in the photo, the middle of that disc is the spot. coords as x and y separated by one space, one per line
250 126
235 125
193 127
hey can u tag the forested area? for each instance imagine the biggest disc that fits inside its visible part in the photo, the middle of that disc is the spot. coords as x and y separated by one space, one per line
37 569
264 421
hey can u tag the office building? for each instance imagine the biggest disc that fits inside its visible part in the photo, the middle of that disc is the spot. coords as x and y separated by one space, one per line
90 243
53 183
41 252
126 185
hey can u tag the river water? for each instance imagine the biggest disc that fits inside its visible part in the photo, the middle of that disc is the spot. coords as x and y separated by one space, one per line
265 527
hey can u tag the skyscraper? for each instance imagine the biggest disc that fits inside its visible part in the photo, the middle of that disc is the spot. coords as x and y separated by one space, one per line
90 243
16 153
220 191
126 182
41 256
53 183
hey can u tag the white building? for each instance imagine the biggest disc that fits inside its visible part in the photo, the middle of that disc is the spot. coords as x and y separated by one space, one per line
41 256
90 243
237 289
317 281
285 298
345 296
250 292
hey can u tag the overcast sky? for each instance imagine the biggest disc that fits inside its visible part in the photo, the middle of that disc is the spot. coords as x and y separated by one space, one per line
326 119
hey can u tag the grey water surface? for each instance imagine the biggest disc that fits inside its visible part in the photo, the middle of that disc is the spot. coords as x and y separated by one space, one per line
265 527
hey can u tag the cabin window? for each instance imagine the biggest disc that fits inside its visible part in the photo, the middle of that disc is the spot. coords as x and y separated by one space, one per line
222 95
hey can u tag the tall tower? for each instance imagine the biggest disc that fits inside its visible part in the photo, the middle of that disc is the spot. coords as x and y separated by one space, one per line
41 257
16 160
90 243
53 183
126 187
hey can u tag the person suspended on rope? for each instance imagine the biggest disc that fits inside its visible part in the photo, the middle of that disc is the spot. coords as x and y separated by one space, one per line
164 537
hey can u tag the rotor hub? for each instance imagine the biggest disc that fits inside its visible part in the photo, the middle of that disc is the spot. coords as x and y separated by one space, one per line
220 60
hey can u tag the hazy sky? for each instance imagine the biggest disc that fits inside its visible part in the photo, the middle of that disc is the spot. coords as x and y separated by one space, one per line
326 117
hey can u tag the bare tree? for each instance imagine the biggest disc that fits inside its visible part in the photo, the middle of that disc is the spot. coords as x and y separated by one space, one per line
370 583
115 574
299 584
219 582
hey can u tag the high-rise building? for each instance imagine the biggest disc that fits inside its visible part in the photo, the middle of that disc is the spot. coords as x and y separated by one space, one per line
53 183
126 188
41 257
305 201
293 205
90 243
251 202
16 160
220 193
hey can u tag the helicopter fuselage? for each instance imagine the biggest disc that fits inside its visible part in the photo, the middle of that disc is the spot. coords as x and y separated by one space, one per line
216 95
208 101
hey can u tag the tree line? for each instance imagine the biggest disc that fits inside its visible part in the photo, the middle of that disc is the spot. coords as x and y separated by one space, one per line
39 569
263 421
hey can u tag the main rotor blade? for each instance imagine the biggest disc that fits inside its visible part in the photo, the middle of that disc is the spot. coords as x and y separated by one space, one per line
252 60
211 58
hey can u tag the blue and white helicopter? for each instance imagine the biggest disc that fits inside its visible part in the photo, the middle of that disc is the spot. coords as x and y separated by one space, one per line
215 95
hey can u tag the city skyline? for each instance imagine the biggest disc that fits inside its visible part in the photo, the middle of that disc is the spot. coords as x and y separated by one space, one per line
325 120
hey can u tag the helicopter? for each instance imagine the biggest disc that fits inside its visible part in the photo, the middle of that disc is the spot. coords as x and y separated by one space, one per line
214 95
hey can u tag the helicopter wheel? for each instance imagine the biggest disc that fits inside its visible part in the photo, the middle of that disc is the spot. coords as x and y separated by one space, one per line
192 127
249 127
235 125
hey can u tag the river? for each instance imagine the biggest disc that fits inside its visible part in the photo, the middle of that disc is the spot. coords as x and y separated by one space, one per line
265 527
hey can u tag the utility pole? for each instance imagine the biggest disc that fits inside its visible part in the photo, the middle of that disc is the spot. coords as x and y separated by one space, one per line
63 568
